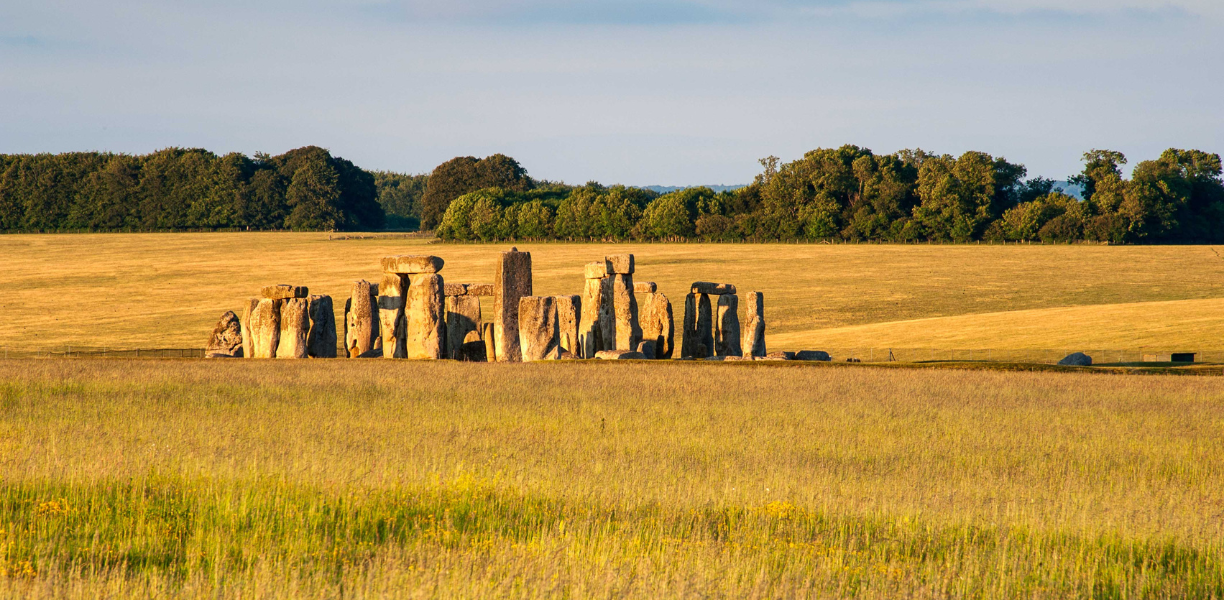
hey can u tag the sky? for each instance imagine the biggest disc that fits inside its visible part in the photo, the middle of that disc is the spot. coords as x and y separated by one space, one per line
673 92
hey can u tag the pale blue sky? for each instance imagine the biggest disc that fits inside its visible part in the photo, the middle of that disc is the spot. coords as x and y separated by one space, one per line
671 92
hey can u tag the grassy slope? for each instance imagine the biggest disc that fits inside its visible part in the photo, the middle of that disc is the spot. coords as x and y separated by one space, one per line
167 290
246 479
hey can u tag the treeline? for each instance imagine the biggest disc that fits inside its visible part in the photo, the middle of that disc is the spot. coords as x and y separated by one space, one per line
303 189
852 194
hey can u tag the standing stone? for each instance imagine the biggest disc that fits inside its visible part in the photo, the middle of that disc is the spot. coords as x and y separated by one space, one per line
392 298
226 338
462 318
698 327
248 342
537 320
728 341
486 336
513 282
265 328
753 340
607 314
426 317
655 312
625 308
321 341
294 328
362 333
590 329
569 314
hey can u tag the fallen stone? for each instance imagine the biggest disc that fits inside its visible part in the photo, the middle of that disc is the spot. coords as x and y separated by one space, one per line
248 343
737 358
712 289
393 324
456 289
590 329
283 291
813 355
411 265
647 348
480 289
226 338
753 339
1078 359
362 330
321 340
537 326
513 282
644 287
596 270
486 336
727 342
294 328
462 318
625 309
620 355
655 316
425 333
265 328
620 264
781 355
569 314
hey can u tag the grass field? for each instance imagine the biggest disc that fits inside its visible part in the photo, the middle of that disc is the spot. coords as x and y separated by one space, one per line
250 479
167 290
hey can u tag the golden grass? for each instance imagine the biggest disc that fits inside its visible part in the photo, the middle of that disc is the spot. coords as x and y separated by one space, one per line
578 480
167 290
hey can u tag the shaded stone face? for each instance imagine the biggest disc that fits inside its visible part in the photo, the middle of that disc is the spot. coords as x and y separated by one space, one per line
513 282
283 291
538 339
813 355
712 289
698 327
607 314
753 338
1077 359
655 313
321 341
620 264
226 338
727 342
644 287
294 328
647 348
411 265
392 298
362 328
248 343
590 331
569 315
597 270
462 320
426 317
265 328
625 308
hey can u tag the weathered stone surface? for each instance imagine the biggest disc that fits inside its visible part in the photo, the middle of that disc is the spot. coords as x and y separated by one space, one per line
248 343
644 287
488 337
462 318
597 270
727 338
411 265
393 324
620 264
620 355
590 331
625 308
569 314
647 348
294 328
537 325
655 315
712 289
1078 359
265 328
362 331
283 291
321 340
226 338
813 355
780 356
426 316
513 282
480 289
753 338
698 327
607 315
455 289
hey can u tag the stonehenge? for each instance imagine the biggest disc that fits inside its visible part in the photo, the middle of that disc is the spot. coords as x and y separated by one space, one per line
413 313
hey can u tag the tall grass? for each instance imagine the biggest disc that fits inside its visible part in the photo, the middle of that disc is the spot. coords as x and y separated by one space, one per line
372 478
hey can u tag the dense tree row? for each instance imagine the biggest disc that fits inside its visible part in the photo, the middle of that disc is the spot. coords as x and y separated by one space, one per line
849 193
303 189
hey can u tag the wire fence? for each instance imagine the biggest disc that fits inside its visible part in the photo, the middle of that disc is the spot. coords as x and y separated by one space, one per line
861 354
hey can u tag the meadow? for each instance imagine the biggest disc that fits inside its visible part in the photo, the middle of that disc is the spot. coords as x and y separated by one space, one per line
168 290
268 479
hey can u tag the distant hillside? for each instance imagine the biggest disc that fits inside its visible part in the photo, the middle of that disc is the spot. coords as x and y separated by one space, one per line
667 189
